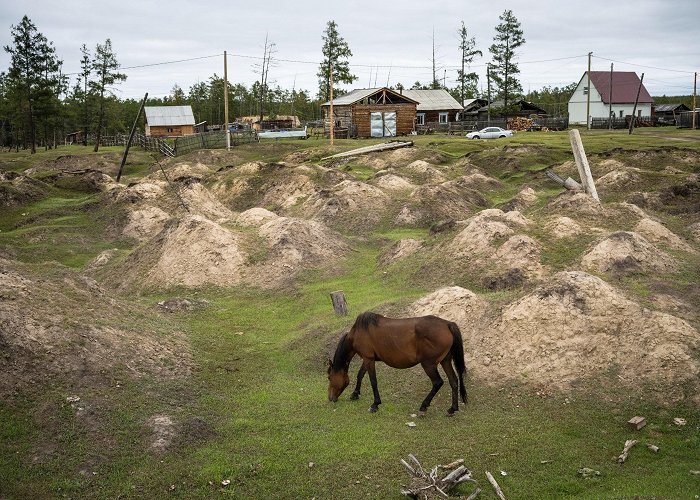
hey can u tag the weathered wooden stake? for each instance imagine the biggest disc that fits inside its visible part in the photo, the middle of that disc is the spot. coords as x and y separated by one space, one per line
340 306
131 137
497 488
582 164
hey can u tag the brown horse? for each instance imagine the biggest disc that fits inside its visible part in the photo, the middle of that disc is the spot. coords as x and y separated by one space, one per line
400 343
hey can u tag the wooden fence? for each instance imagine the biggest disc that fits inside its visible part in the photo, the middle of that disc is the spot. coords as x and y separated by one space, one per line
622 123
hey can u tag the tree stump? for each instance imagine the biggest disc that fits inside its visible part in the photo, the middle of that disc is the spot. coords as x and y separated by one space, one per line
340 306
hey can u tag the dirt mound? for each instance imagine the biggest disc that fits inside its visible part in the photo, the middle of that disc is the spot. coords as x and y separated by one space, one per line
399 251
448 200
617 179
578 204
18 189
480 181
524 199
457 304
180 170
106 162
563 227
657 233
191 252
145 223
626 252
577 326
424 172
199 200
347 203
47 335
391 182
286 191
140 191
255 217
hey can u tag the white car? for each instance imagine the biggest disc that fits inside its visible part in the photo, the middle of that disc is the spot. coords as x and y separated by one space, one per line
490 133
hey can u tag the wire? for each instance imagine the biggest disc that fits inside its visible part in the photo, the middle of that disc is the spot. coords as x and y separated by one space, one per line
643 66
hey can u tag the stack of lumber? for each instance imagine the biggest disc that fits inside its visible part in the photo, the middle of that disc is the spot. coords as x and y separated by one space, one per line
520 123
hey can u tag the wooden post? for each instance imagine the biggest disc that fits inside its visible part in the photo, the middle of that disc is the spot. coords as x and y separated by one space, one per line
228 135
131 137
695 88
610 98
588 93
330 110
340 306
582 164
636 100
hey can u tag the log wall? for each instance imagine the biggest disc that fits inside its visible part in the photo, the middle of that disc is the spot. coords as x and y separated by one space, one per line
405 117
169 131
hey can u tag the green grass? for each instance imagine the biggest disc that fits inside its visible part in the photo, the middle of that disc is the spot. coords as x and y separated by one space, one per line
255 412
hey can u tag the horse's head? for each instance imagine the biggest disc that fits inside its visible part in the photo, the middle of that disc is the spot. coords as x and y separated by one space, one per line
338 380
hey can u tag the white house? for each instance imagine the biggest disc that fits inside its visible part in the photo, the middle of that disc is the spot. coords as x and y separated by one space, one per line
624 91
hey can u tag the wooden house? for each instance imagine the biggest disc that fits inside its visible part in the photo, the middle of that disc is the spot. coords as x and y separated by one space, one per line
518 108
379 112
434 106
669 114
169 121
616 98
279 122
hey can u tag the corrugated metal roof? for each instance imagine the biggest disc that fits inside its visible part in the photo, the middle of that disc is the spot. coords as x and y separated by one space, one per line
433 100
358 94
161 116
662 108
625 85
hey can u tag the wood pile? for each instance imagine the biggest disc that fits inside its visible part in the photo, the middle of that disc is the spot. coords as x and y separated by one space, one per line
428 485
520 123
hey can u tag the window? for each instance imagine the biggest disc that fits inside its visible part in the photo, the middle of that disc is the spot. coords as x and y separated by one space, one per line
169 130
442 118
622 113
639 113
420 118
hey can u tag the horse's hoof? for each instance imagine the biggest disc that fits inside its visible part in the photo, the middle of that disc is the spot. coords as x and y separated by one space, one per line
422 413
355 396
373 409
451 412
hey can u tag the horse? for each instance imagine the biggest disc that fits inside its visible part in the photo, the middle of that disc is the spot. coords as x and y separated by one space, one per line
400 343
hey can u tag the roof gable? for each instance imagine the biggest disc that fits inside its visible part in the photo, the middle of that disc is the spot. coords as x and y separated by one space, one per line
624 88
169 115
384 94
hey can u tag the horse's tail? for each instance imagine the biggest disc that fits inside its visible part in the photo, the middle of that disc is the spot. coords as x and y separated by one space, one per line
457 351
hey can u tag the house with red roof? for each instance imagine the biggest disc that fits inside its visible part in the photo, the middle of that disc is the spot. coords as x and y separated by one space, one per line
608 95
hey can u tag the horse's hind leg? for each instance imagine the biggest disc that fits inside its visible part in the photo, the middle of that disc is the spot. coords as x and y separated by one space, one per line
452 377
368 365
432 372
360 374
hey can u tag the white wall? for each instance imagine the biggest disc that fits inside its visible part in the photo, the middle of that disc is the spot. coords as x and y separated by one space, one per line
577 106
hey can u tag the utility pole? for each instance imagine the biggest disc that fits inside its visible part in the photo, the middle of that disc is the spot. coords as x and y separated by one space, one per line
636 100
695 88
131 137
228 135
610 98
330 110
588 93
488 86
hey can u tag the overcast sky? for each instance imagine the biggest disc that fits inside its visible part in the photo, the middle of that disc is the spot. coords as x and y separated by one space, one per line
391 41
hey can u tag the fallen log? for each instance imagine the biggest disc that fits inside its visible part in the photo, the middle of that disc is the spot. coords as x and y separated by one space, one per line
371 149
625 452
497 488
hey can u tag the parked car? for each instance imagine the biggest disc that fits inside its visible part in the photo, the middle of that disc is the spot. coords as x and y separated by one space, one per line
490 133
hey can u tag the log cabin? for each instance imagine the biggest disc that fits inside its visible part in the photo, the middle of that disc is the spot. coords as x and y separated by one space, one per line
169 121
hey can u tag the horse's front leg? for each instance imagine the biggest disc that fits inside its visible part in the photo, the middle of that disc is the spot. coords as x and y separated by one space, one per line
360 375
368 365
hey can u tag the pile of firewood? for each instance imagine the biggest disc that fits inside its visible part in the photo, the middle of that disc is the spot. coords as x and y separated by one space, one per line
425 485
520 123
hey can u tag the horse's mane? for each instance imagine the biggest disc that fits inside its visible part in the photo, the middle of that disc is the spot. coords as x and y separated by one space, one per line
340 353
365 319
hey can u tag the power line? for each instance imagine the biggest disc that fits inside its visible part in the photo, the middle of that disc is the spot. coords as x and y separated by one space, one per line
643 66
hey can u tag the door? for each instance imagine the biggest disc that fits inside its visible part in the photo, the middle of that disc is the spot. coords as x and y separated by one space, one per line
390 124
376 124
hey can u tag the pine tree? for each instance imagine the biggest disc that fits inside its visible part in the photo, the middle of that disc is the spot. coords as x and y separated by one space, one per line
85 71
468 82
504 70
335 54
33 78
105 66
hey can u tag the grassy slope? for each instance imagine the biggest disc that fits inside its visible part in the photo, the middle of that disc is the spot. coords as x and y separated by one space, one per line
255 411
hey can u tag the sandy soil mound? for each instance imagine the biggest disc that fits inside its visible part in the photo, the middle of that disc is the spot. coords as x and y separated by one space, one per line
657 233
563 227
288 191
626 252
17 189
348 202
460 305
577 326
392 182
617 179
576 203
255 217
145 223
199 200
180 170
448 200
140 191
105 162
480 181
524 199
400 250
424 172
191 252
47 335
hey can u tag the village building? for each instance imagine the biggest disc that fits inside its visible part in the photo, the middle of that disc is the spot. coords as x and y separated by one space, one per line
606 99
434 106
279 122
378 112
517 108
669 114
169 121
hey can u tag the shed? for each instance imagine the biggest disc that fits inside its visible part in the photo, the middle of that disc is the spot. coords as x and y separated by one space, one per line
169 121
669 114
434 106
518 108
378 112
619 96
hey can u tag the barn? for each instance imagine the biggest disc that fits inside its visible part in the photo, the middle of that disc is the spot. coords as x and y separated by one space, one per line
378 112
169 121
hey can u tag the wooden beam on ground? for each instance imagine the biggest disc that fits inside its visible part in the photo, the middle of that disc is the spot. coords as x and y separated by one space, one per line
371 149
